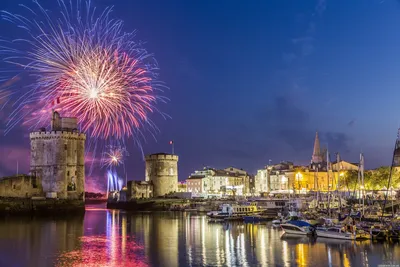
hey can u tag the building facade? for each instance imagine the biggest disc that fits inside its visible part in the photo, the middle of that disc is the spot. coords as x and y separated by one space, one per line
162 171
344 166
182 186
228 181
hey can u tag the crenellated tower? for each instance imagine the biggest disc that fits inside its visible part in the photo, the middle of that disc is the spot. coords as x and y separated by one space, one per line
162 171
57 158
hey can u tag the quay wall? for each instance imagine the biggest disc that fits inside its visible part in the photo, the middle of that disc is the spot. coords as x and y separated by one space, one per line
12 205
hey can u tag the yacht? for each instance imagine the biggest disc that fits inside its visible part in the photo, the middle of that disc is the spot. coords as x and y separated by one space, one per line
292 216
298 228
334 232
234 210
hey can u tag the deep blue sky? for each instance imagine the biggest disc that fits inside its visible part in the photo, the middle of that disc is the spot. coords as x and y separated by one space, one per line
253 80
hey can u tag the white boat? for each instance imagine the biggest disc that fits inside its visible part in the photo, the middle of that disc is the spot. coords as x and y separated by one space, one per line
298 228
292 216
228 210
335 232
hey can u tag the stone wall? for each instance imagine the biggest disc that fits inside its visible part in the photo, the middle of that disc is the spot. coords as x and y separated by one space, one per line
21 186
162 171
43 206
57 157
138 190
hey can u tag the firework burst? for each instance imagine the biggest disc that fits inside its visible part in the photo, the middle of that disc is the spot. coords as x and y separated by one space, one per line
114 157
85 66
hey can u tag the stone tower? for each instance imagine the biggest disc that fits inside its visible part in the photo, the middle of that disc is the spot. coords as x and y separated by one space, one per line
316 156
162 171
57 158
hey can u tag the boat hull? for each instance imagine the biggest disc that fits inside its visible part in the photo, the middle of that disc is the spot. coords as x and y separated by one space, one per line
342 236
296 230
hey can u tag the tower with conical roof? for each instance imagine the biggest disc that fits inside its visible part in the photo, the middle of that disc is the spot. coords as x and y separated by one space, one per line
316 156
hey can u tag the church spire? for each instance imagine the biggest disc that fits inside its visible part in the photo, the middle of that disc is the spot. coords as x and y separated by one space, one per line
316 156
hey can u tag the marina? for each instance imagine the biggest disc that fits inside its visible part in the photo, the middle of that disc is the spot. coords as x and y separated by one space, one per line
115 238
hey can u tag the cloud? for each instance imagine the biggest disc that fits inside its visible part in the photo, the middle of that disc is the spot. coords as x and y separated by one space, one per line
351 123
290 124
320 7
337 141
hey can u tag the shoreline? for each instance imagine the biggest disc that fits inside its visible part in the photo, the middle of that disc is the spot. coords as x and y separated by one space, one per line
45 206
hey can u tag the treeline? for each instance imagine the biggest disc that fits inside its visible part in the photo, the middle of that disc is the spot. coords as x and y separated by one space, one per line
94 195
373 179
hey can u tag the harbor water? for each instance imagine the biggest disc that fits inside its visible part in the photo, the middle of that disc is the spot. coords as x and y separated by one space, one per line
115 238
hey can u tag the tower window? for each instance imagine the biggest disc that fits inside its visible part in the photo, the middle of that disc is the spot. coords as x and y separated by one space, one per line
67 173
65 147
33 181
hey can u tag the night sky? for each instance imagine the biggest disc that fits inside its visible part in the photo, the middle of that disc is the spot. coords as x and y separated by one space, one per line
252 81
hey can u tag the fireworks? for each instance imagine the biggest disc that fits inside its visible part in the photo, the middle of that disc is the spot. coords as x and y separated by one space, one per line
114 157
86 67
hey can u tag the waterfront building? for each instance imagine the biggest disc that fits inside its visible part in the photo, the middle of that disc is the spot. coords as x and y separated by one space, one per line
182 186
213 182
274 178
57 168
162 171
280 178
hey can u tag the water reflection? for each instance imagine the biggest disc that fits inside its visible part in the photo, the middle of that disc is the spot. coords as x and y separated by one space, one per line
113 238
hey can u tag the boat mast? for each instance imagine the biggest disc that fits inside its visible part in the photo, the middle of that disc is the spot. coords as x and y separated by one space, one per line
327 174
362 180
338 180
359 181
316 180
394 163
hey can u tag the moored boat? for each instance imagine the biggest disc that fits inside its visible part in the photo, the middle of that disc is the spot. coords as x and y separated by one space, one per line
378 233
298 228
335 233
362 235
229 210
292 216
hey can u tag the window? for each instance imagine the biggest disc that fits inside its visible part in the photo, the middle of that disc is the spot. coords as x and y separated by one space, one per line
33 182
65 147
67 173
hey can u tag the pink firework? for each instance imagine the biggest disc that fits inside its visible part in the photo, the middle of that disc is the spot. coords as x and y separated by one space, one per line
85 67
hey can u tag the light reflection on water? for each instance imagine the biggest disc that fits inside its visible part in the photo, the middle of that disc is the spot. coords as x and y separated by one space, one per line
114 238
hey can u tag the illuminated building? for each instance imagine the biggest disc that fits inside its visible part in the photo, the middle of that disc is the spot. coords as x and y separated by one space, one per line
209 182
